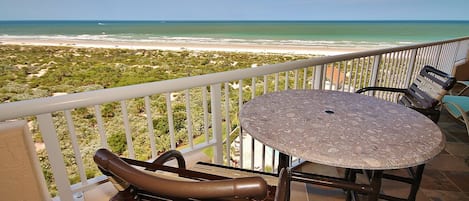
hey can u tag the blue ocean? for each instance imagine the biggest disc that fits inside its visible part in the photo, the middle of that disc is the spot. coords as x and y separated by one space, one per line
304 33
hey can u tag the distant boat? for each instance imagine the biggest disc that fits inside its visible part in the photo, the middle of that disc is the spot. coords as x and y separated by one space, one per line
101 24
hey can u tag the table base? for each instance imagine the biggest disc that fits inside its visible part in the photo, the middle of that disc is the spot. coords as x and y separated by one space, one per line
349 185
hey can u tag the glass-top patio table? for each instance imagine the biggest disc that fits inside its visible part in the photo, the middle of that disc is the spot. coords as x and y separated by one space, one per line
344 130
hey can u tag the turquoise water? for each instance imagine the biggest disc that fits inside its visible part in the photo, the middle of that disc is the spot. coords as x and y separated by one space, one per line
307 33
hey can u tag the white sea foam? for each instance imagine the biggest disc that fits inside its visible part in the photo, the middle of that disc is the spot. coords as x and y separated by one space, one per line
207 40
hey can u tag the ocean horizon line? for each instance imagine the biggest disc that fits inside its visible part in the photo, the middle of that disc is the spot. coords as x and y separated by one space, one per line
328 21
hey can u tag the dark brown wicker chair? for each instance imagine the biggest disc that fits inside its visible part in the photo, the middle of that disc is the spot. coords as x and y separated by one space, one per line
425 93
139 180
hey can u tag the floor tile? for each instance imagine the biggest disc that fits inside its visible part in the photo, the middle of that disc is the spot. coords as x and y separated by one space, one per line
461 179
436 195
316 192
457 149
436 180
462 136
450 138
298 191
446 162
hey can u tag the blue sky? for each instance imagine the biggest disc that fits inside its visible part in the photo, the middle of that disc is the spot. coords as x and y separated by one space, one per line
234 10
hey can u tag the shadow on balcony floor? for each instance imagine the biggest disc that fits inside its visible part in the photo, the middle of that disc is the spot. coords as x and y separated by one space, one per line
445 177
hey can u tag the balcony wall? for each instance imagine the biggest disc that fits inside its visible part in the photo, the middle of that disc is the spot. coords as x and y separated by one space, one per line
200 112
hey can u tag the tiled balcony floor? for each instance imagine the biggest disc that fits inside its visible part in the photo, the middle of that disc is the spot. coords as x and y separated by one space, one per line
446 177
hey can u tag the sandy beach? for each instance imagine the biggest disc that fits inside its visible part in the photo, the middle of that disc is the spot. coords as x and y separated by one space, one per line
178 46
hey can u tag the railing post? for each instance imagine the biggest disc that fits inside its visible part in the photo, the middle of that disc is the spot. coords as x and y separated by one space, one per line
374 73
49 135
215 100
411 67
319 77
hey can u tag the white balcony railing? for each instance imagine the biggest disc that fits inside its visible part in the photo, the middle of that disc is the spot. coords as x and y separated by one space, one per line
208 105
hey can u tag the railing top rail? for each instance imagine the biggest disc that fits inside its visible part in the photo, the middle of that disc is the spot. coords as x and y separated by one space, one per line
24 108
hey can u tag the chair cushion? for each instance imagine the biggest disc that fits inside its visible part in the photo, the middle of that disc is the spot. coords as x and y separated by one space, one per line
462 101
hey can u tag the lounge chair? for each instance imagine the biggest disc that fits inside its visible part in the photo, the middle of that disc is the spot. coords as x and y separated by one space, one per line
425 93
458 107
139 180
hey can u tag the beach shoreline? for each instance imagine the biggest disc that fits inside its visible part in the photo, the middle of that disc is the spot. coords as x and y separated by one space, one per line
190 46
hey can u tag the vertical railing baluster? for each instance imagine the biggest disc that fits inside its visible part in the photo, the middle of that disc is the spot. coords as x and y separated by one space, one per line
227 125
305 77
252 152
169 110
253 87
375 70
241 139
205 108
75 147
56 159
263 145
128 133
273 160
347 75
190 134
331 78
319 73
263 158
437 54
286 80
388 73
151 132
215 101
276 82
295 82
99 121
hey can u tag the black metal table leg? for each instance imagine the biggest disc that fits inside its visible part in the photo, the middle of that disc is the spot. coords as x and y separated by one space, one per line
416 183
375 183
283 161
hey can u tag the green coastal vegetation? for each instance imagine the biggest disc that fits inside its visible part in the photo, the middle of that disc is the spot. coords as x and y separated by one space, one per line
28 72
